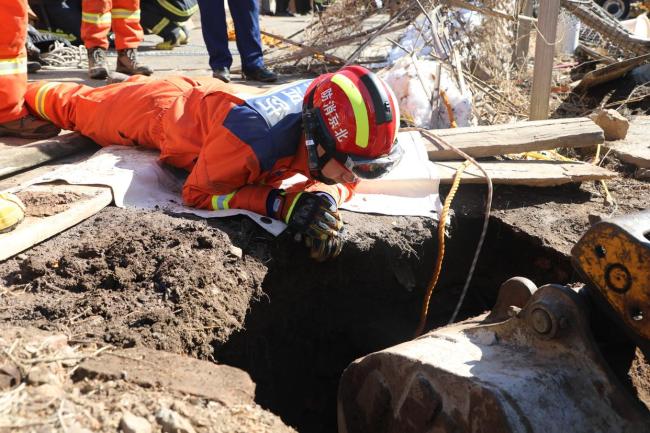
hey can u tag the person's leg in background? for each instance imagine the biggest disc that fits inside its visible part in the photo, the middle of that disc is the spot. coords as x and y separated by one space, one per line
95 24
14 118
64 19
181 11
128 35
215 35
165 18
245 16
282 9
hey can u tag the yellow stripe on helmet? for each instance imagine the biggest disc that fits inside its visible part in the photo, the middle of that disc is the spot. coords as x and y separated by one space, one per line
358 106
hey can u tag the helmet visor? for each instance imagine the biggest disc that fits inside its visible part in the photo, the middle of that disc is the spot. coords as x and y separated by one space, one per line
377 167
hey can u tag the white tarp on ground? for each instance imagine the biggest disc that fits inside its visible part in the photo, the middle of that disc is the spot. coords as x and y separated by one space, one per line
139 180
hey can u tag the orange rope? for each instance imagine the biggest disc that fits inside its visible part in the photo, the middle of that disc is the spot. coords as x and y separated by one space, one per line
441 247
450 110
441 224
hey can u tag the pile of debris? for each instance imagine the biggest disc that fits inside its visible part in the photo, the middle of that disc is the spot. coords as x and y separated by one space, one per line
476 52
50 383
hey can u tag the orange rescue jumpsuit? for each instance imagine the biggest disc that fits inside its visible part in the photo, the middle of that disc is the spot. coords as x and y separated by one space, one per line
237 144
13 59
96 19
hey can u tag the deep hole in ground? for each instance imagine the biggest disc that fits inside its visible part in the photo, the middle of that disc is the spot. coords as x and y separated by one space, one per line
137 278
317 320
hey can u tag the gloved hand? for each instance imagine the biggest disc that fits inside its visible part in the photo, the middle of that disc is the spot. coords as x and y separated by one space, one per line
322 250
315 217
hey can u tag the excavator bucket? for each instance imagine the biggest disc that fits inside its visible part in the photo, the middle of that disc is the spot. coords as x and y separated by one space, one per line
532 365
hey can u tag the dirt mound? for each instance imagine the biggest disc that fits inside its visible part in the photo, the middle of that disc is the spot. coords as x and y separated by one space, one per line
41 204
136 278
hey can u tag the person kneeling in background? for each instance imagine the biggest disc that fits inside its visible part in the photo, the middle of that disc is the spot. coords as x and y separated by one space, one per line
165 18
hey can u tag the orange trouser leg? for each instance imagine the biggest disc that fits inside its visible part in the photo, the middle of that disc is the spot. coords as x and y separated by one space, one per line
13 60
95 22
126 113
126 23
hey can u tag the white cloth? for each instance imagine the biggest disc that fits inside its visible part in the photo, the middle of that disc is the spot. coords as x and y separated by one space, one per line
139 180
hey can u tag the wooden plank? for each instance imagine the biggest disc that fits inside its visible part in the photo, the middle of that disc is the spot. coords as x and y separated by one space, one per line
530 173
482 141
635 148
25 177
17 154
610 72
549 10
35 229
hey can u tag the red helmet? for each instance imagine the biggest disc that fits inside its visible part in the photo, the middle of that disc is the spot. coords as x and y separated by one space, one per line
353 115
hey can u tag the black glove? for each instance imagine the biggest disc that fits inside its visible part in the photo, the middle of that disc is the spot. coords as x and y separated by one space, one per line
315 217
322 250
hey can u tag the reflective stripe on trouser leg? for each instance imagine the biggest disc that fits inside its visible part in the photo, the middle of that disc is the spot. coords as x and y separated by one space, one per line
96 19
15 66
158 28
13 81
126 24
55 101
95 22
179 13
40 107
13 75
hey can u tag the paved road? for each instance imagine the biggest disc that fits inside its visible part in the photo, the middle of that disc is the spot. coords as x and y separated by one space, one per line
190 59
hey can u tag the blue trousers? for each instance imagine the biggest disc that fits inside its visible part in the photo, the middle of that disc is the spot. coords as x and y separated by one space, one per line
245 15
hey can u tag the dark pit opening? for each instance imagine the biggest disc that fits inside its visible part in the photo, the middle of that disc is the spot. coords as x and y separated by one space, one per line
317 319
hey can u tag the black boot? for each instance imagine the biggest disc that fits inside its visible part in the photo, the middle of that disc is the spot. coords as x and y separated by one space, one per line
222 73
127 63
97 67
263 74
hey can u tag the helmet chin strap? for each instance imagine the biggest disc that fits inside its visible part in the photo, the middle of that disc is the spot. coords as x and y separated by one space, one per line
314 161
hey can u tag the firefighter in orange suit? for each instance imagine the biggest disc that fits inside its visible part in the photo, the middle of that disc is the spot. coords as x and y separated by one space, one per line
239 144
97 17
14 119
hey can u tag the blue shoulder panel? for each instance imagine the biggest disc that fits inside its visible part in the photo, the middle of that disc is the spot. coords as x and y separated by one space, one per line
268 143
270 124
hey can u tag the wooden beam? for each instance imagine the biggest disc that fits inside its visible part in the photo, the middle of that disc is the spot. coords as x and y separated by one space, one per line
482 141
312 50
549 11
35 229
609 72
530 173
523 34
17 155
